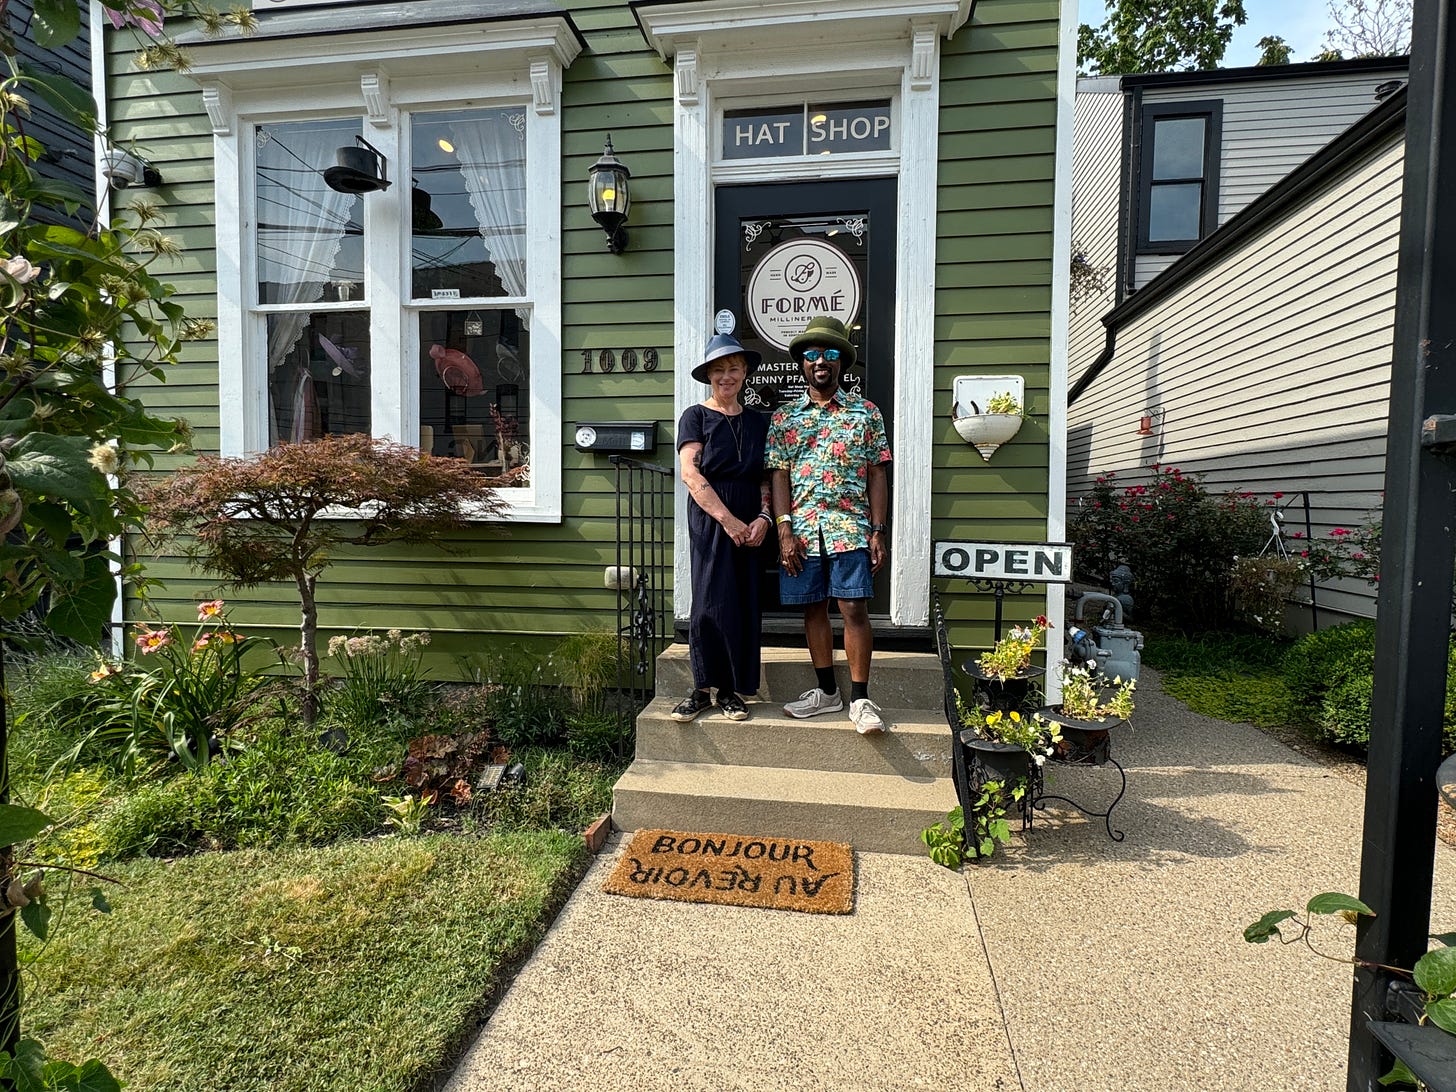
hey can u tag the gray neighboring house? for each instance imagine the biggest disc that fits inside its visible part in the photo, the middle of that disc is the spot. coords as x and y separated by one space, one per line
1245 224
70 151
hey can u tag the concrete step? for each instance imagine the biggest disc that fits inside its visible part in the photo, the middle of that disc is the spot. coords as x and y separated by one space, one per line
880 813
918 744
902 680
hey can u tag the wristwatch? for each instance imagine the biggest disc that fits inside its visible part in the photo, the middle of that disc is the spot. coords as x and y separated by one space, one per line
878 528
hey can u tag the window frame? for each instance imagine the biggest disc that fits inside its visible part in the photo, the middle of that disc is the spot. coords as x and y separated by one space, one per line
520 68
1210 111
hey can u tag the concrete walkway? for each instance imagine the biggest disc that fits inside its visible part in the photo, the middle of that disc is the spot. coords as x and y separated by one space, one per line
1069 962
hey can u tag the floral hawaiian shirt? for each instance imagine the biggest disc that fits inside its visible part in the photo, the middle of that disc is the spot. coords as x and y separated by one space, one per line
828 451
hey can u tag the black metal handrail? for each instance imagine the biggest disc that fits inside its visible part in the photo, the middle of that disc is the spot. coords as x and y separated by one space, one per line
643 560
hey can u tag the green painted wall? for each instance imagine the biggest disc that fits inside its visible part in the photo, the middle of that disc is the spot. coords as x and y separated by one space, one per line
994 282
537 581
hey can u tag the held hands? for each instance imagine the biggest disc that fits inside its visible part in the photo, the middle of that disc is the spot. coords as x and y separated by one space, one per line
737 530
757 531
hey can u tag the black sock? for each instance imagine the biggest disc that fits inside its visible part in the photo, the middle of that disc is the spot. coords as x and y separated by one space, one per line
826 679
858 690
701 693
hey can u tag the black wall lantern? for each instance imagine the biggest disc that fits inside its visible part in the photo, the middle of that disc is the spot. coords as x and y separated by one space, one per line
607 191
361 169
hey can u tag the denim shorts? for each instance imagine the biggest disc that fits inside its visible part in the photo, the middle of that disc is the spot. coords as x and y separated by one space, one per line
840 576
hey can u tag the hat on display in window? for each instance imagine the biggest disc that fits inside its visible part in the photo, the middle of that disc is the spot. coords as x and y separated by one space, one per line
457 371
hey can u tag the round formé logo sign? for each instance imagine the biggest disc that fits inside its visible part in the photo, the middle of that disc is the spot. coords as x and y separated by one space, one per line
797 280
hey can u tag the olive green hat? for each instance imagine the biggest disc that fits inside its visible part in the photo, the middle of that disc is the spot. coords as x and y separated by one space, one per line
829 333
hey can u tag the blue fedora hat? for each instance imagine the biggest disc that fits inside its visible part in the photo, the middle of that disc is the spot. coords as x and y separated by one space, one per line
722 345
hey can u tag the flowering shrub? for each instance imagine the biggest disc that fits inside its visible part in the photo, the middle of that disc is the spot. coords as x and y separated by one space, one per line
1012 654
1179 540
1351 553
1260 586
1082 692
181 700
382 677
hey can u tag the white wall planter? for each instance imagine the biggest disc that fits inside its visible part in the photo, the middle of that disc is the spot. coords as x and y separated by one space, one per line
986 431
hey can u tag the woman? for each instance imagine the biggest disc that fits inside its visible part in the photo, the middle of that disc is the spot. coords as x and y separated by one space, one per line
720 450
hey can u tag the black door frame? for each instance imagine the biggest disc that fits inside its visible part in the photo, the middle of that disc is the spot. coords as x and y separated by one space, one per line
876 196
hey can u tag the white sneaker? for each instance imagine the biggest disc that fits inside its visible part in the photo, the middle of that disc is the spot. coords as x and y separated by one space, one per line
866 717
813 702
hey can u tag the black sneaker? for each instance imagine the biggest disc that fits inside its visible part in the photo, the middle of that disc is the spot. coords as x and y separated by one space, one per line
692 706
732 706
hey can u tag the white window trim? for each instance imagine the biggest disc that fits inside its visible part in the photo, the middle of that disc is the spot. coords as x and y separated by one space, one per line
745 51
377 75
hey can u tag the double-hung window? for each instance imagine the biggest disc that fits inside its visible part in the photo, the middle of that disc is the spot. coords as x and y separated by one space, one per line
426 311
1178 175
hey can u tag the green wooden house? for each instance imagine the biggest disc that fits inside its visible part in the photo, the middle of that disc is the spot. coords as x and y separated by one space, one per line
917 149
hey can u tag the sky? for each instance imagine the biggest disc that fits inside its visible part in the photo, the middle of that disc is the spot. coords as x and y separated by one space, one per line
1301 23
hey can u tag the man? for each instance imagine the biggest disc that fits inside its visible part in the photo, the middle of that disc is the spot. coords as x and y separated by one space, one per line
827 454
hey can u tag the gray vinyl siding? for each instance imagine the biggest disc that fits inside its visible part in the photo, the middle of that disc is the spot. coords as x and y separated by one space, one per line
1096 183
70 152
1269 128
1272 366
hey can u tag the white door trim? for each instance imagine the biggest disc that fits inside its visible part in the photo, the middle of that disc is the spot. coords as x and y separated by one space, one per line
906 58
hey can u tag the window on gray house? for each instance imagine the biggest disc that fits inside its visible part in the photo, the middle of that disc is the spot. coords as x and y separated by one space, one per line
1178 175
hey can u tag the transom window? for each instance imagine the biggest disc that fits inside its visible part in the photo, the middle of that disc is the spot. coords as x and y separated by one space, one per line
1178 194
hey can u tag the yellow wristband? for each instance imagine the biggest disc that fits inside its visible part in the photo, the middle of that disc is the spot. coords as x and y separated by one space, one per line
784 519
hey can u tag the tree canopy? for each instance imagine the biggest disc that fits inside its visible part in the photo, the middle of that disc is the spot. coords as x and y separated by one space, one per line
276 516
1159 36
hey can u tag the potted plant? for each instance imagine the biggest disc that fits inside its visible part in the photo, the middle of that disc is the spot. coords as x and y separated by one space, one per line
988 429
1091 704
1005 673
1006 753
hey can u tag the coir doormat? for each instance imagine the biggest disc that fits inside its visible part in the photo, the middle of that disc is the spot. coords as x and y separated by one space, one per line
736 869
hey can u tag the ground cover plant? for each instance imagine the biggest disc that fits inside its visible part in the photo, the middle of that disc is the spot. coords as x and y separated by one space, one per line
1320 683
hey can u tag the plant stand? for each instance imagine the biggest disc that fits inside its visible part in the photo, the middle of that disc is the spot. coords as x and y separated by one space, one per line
1003 694
1005 763
1084 743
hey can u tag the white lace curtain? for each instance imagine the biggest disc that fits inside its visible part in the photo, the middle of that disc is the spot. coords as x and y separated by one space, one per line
492 151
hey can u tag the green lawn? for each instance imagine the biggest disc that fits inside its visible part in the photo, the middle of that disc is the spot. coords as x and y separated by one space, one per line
362 967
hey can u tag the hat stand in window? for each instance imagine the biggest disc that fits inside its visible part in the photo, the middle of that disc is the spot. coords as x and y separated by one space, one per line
987 410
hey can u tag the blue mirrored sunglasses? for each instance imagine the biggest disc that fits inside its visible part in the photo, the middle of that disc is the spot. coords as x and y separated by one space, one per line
813 355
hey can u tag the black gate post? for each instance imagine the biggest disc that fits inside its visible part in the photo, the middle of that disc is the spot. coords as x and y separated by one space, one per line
1414 613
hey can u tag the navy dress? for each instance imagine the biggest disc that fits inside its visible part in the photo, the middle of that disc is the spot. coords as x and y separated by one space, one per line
723 629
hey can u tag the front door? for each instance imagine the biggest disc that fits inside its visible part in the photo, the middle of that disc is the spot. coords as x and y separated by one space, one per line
788 252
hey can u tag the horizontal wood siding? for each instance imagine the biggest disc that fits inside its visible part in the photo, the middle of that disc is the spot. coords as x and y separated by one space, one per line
1096 184
1272 367
517 584
1269 128
993 280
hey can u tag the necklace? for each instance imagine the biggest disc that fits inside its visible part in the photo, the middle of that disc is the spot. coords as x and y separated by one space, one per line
737 434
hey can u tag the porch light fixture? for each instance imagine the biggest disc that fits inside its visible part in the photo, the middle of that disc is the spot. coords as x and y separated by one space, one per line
609 196
361 169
